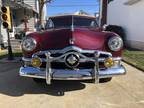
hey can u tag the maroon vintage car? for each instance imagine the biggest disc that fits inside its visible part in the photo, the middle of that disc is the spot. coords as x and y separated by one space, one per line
72 47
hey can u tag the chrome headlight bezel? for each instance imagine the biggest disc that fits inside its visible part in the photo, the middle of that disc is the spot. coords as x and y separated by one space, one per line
115 43
29 44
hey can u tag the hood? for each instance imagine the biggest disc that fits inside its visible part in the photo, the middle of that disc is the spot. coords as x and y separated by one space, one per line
81 37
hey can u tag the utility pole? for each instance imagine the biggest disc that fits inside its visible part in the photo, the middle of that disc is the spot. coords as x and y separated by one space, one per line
103 12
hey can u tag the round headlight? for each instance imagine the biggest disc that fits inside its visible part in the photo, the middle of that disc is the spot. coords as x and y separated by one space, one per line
115 43
29 44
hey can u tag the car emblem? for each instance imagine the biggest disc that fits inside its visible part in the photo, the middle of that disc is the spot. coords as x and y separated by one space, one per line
72 60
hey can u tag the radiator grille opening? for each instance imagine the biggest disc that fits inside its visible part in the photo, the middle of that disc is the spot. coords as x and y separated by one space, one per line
84 65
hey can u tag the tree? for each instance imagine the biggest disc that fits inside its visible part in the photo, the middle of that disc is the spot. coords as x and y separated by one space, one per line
41 5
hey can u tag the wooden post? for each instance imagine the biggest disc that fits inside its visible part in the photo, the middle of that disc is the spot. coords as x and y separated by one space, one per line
25 23
104 5
10 53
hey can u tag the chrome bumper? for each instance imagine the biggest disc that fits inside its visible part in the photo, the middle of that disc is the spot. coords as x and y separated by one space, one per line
83 74
62 74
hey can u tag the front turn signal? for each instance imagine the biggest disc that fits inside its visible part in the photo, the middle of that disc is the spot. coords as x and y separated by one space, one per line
36 62
108 62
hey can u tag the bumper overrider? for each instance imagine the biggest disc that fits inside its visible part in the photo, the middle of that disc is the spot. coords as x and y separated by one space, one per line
72 56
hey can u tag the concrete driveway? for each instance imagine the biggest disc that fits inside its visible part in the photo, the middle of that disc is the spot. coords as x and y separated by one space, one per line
122 92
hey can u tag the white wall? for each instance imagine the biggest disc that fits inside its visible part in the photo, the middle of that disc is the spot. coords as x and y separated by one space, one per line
131 18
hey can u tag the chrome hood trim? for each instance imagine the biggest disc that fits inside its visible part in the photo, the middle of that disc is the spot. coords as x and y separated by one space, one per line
72 48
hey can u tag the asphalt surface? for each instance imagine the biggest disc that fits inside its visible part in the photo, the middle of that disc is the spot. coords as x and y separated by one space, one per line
18 92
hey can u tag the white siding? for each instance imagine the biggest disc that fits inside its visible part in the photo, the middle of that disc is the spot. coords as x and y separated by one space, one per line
130 17
31 3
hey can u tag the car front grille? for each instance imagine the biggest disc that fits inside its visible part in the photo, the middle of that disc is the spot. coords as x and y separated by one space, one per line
82 65
61 65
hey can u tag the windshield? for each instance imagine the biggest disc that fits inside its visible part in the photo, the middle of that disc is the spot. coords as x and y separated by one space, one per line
68 21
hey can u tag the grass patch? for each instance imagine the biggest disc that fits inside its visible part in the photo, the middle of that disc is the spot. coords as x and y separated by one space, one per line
135 58
4 54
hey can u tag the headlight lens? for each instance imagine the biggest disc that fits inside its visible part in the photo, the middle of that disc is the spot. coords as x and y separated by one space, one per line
115 43
29 44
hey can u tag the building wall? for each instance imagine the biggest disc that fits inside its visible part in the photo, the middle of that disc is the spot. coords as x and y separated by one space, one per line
29 13
130 17
20 14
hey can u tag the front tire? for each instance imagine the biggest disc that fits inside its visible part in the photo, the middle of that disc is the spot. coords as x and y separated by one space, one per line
39 81
104 80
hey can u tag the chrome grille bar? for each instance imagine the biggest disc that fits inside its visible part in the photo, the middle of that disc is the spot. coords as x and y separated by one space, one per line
48 69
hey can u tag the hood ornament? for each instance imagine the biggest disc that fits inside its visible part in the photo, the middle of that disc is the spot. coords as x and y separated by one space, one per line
72 41
72 26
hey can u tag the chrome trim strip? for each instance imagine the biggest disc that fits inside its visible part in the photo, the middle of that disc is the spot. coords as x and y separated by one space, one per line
73 48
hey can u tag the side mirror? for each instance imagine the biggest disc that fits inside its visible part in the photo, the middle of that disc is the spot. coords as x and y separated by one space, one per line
93 24
104 27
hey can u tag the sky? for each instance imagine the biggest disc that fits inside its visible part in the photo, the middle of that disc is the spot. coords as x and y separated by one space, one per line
71 6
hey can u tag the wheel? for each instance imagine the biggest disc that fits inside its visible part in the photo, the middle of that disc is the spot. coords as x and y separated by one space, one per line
104 80
39 80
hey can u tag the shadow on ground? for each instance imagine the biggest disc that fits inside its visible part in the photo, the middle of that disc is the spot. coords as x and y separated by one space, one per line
13 85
